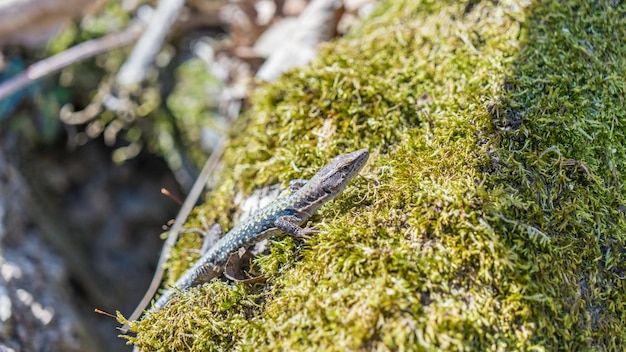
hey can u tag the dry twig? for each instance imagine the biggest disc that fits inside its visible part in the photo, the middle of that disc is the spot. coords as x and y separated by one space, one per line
70 56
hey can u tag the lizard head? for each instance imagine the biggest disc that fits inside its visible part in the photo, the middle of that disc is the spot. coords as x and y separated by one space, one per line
336 175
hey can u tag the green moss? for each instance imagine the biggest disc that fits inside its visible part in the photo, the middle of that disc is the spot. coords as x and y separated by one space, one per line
490 215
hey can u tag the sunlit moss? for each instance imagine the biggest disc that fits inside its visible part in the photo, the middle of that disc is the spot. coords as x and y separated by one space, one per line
490 216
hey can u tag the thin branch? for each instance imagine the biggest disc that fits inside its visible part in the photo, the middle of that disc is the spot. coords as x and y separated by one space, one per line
190 201
316 24
70 56
135 68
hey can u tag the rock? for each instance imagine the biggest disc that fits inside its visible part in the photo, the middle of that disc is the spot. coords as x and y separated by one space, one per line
36 312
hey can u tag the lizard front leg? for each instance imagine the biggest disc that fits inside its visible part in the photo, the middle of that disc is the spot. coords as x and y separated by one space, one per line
291 225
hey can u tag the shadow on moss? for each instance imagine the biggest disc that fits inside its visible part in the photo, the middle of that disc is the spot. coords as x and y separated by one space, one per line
560 130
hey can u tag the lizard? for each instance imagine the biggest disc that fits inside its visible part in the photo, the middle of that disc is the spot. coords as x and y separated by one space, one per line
285 214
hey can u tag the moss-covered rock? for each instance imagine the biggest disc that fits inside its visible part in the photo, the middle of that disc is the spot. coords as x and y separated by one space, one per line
491 215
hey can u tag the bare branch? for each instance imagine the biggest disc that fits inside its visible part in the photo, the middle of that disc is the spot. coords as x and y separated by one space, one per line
135 68
316 24
209 167
70 56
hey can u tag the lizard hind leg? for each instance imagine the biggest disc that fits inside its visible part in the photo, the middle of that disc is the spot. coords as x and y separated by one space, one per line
211 237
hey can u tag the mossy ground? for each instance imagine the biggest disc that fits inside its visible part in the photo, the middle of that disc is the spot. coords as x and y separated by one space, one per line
490 216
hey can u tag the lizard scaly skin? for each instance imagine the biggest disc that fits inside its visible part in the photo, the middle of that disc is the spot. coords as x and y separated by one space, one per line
285 214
